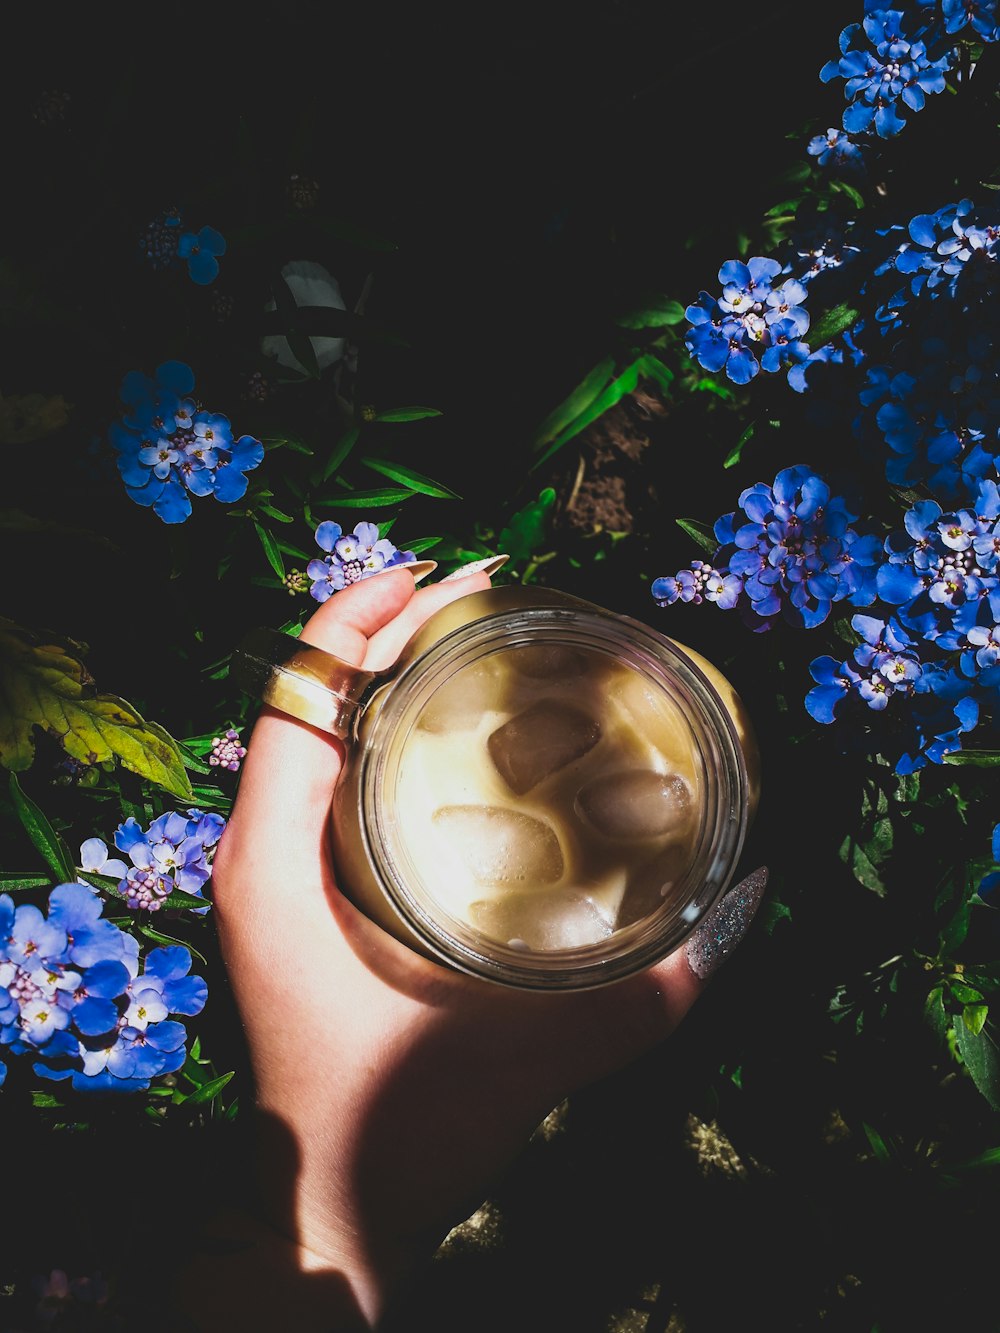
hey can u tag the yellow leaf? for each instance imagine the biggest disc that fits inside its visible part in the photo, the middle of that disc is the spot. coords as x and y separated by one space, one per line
44 683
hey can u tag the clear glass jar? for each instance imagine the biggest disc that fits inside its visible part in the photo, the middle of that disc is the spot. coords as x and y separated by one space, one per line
544 793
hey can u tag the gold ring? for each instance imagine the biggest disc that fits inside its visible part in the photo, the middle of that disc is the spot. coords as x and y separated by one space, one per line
300 679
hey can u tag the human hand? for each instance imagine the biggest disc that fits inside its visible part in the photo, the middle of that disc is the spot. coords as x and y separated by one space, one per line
390 1090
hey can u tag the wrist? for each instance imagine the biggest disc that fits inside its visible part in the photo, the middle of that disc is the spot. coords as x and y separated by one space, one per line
243 1272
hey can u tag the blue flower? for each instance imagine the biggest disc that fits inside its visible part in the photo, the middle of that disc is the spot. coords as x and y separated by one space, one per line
797 555
836 149
753 323
352 556
170 449
899 69
200 250
982 14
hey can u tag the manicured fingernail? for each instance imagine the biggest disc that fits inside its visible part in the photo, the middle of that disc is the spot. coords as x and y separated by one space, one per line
418 568
724 927
489 566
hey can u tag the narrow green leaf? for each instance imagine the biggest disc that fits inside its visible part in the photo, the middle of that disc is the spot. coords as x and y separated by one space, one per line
278 514
49 844
733 457
653 312
341 450
698 533
421 544
989 1158
835 321
575 403
302 349
974 758
375 499
12 882
605 400
408 477
288 442
407 413
878 1143
295 552
208 1091
270 549
158 937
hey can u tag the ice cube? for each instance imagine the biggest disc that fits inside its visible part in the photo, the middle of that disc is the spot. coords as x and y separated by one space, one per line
552 919
540 741
459 703
499 846
639 803
652 884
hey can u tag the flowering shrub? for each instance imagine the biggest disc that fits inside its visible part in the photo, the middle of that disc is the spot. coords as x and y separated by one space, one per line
800 420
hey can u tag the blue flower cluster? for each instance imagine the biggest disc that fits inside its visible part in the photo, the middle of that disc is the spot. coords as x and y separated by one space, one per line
352 556
166 242
894 70
170 449
795 552
173 853
756 323
836 149
73 996
940 645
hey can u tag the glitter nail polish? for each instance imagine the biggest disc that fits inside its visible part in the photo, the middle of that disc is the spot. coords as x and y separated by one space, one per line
489 566
721 931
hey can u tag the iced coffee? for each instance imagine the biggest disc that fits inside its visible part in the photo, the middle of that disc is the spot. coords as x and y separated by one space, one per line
542 792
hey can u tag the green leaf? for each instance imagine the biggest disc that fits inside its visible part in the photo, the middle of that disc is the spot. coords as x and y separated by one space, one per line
288 442
878 1144
270 549
857 860
772 912
421 544
699 533
524 533
605 400
974 758
653 312
979 1054
295 552
12 882
835 321
955 931
49 844
278 514
576 402
407 413
733 457
176 899
341 450
302 349
935 1013
158 937
376 499
653 368
965 994
855 195
44 683
208 1091
974 1016
408 477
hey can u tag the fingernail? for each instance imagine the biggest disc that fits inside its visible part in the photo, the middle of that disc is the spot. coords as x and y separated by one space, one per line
418 568
489 566
724 927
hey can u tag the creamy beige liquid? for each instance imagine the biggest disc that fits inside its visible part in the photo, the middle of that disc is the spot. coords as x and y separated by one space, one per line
548 796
